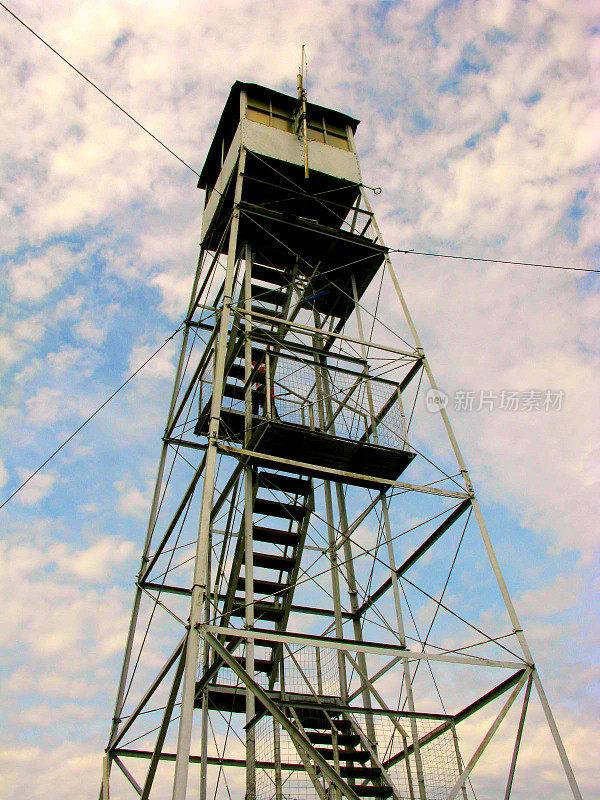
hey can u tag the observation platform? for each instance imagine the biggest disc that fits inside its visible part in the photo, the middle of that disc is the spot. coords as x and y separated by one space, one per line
233 698
328 257
357 428
265 124
291 441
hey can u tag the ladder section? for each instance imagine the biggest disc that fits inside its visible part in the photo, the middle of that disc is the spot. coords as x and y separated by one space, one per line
282 505
271 292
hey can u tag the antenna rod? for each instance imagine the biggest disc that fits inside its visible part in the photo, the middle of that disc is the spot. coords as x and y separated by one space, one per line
302 101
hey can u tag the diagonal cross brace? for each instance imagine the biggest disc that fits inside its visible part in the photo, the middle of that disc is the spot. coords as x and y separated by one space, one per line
299 740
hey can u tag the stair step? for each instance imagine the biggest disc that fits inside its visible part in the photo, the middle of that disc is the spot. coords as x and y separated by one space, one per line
263 294
370 773
326 737
268 561
262 611
260 664
311 718
373 791
238 392
238 371
273 508
284 483
270 275
258 355
264 587
262 310
273 536
344 755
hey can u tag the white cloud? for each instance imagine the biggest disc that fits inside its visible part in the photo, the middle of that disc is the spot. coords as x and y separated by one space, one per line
3 474
10 350
132 502
63 359
90 332
562 594
38 488
74 167
45 406
160 368
31 329
34 278
51 604
97 561
175 292
45 715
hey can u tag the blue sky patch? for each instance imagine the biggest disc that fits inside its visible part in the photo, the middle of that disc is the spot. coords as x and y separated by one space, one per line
498 36
471 62
573 216
533 99
421 122
500 122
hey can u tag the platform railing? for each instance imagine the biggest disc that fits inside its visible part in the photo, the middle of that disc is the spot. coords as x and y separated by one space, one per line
361 407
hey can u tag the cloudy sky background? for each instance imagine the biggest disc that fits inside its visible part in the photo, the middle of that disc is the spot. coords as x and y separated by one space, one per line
479 119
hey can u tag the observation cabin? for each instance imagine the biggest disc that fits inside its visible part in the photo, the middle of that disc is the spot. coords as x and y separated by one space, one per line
287 172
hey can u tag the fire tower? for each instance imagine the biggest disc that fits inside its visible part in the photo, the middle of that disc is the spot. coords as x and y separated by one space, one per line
291 635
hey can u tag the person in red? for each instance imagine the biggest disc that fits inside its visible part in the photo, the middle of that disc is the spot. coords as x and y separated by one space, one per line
259 389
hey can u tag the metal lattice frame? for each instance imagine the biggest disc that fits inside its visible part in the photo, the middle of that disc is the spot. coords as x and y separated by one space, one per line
288 629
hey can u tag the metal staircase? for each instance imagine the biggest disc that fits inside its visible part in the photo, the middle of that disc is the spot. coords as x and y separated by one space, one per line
289 410
281 511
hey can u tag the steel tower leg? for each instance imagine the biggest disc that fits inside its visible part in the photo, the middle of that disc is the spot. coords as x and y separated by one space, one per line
150 530
202 552
483 530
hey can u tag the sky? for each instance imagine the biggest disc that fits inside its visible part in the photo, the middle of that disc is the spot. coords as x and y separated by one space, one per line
480 122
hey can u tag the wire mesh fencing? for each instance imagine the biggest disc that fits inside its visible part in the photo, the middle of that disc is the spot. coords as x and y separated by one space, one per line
376 753
329 398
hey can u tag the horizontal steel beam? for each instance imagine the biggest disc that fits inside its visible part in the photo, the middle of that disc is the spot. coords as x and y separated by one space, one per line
127 752
173 440
255 210
483 701
259 335
181 590
309 329
338 474
359 647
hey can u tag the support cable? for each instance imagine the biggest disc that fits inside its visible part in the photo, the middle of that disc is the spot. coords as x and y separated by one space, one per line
376 190
370 552
491 260
432 255
425 641
98 89
92 415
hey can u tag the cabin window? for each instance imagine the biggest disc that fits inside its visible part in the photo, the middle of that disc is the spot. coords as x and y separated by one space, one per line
315 130
336 135
318 129
282 120
258 115
266 113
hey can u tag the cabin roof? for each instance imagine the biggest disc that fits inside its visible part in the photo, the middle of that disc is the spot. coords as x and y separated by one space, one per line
231 116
